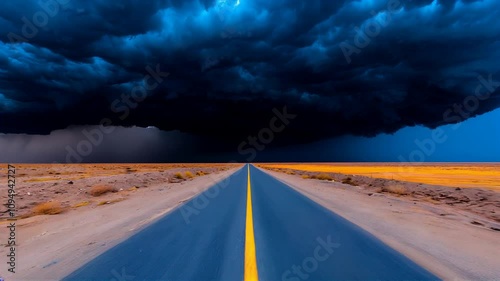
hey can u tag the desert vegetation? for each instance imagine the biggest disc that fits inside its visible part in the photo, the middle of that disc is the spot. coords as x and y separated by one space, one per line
81 204
107 202
99 190
48 208
398 189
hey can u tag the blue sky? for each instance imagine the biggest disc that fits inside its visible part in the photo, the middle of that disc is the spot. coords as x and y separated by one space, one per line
474 140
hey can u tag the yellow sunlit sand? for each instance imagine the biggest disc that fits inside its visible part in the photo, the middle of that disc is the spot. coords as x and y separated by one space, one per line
481 175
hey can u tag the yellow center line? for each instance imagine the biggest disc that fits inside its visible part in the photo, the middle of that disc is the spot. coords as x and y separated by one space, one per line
250 257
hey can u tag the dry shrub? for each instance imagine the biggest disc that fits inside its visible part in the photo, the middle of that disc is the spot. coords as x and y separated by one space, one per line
189 175
396 189
178 176
48 208
110 201
306 177
349 180
81 204
129 170
200 173
99 190
322 176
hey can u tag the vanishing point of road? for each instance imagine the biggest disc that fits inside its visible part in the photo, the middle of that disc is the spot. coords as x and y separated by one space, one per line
251 226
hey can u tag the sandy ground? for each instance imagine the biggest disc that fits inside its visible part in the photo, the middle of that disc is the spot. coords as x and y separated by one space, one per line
453 243
70 185
463 175
50 247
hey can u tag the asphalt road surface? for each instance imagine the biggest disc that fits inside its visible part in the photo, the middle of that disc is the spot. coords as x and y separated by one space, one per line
277 234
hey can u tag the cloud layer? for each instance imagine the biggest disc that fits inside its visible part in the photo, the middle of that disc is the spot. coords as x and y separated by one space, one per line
343 67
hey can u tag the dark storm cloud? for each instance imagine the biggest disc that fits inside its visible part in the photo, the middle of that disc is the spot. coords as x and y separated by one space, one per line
230 64
123 145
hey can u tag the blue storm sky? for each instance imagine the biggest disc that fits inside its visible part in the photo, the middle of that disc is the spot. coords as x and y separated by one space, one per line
474 140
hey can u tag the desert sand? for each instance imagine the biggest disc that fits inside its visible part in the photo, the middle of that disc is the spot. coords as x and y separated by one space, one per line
72 186
463 175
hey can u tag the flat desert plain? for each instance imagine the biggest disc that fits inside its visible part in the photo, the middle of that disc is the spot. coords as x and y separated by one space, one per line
464 175
474 187
49 189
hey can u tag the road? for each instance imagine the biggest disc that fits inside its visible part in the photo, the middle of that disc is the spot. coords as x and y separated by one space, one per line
277 234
